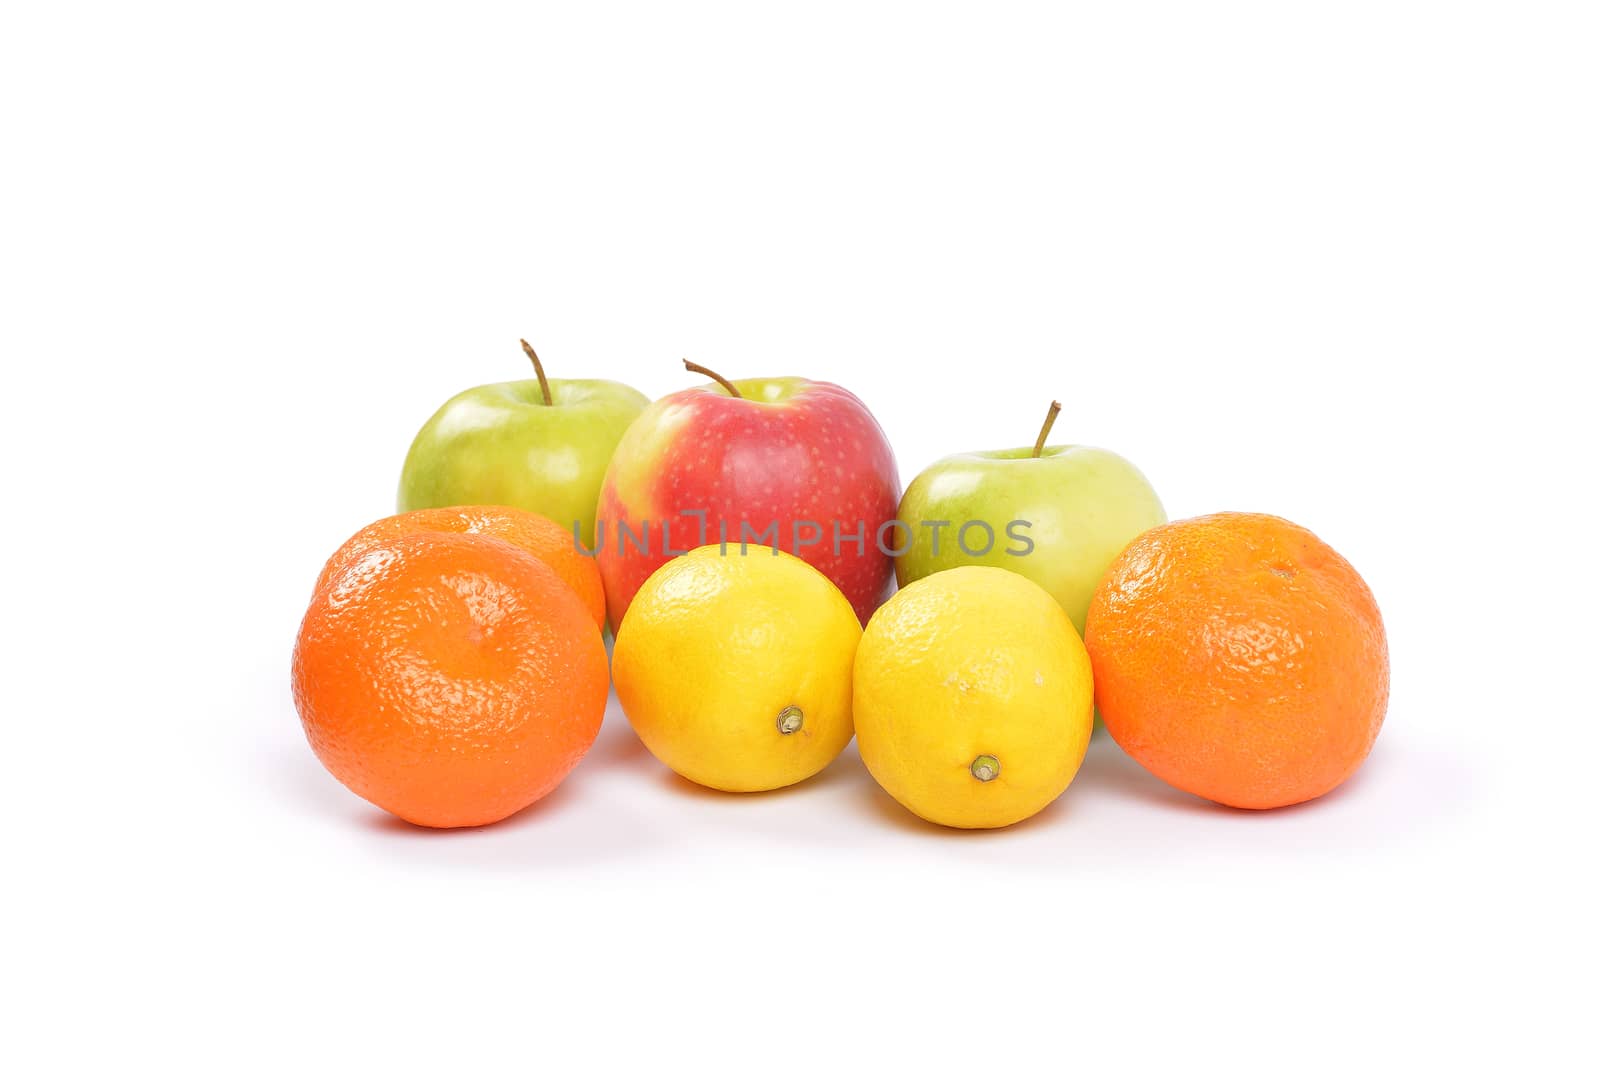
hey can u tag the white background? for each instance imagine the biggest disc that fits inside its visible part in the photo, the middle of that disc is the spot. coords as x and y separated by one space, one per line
1333 261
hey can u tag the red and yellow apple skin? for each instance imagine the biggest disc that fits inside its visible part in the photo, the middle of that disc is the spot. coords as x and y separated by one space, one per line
723 468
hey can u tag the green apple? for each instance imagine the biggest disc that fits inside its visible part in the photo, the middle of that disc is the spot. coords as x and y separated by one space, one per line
1057 515
540 445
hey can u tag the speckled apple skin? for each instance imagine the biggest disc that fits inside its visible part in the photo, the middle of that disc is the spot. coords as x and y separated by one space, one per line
789 449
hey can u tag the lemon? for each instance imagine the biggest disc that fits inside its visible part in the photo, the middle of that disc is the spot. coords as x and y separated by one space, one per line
973 698
733 665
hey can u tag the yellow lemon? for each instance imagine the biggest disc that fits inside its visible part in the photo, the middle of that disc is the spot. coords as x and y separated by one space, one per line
733 665
973 697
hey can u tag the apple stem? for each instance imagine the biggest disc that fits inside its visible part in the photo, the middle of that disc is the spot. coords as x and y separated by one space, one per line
538 368
719 379
1044 431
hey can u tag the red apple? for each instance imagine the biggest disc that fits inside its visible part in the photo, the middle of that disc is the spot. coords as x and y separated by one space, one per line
786 462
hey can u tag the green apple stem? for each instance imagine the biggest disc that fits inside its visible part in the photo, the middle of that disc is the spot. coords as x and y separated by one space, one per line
1044 431
538 368
709 373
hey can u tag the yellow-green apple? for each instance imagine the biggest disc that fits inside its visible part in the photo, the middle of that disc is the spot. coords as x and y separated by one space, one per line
1058 515
540 445
786 463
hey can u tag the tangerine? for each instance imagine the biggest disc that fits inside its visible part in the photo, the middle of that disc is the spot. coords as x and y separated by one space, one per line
1238 657
451 679
527 530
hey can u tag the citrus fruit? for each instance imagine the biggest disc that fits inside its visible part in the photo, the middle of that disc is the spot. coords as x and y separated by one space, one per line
450 679
526 530
1238 657
973 698
734 668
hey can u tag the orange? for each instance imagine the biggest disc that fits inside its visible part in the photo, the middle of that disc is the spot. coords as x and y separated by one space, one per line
1238 657
545 538
450 679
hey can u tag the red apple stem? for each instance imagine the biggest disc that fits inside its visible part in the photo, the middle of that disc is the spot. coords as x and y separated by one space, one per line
709 373
538 368
1044 431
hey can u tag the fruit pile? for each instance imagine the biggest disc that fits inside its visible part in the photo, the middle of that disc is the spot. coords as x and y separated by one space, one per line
741 539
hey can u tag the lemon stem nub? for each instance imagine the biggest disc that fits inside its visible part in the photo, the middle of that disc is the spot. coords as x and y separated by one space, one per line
790 719
985 768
